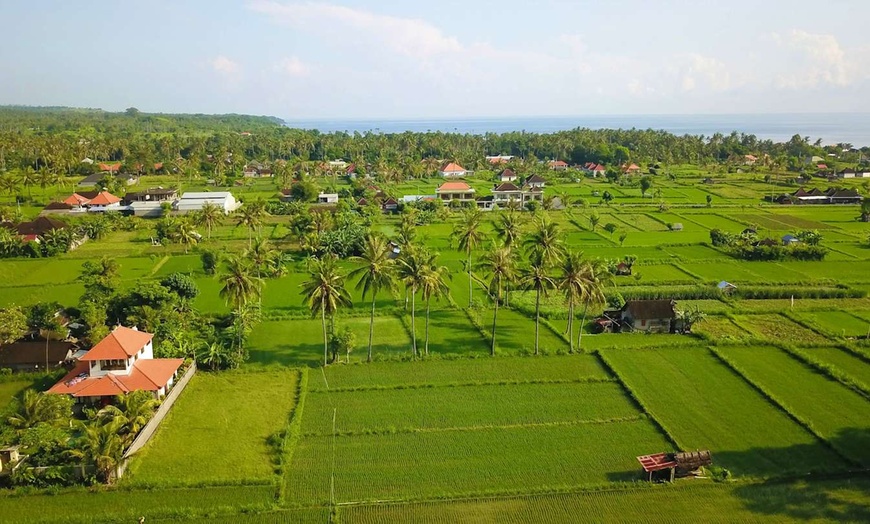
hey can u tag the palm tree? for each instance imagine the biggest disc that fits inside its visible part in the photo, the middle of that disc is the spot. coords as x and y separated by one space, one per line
594 219
239 286
572 282
9 183
467 236
498 263
509 227
597 276
208 217
185 235
134 409
376 273
36 408
324 291
535 278
544 242
102 445
412 270
251 216
28 178
434 285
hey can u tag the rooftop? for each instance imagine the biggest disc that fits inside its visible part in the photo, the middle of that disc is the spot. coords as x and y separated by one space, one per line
121 343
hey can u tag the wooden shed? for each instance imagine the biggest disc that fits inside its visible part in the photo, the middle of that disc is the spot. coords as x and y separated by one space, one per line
667 466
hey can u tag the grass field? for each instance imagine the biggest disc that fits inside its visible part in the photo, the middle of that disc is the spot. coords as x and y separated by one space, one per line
837 413
704 405
219 430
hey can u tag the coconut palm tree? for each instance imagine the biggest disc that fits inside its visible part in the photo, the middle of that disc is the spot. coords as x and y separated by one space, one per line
325 292
36 408
240 285
251 216
375 273
535 278
467 236
412 269
185 235
544 242
499 264
208 217
10 183
509 227
435 286
572 283
597 276
102 445
134 409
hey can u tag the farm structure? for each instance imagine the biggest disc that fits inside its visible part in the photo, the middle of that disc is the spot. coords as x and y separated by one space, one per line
667 466
650 316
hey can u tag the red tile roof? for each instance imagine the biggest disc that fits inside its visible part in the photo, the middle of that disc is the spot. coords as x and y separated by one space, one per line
109 167
76 200
558 163
120 344
147 375
455 186
452 167
104 199
507 186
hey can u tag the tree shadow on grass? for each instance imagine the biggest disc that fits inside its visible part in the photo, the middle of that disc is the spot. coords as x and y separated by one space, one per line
288 354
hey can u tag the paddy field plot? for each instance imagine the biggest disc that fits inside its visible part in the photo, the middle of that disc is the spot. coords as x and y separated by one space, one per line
219 430
837 413
703 404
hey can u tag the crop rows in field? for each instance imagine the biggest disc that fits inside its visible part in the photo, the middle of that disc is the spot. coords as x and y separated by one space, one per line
431 464
464 406
85 506
835 412
703 404
780 329
830 501
843 361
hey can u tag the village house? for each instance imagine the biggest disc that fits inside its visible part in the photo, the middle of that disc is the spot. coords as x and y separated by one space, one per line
95 201
327 198
256 171
536 181
846 173
486 203
596 170
120 363
630 169
498 159
449 191
32 354
507 175
817 196
650 316
557 165
194 201
34 230
749 160
95 179
452 170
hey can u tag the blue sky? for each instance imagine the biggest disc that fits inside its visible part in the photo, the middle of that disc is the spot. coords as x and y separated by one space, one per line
446 58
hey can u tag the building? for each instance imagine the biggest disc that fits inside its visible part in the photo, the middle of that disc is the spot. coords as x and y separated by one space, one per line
194 201
507 192
498 159
831 195
32 354
449 191
120 363
93 201
33 230
536 182
149 203
486 203
788 240
557 165
257 171
649 316
390 205
631 169
749 160
726 288
94 180
452 170
507 175
109 168
327 198
846 173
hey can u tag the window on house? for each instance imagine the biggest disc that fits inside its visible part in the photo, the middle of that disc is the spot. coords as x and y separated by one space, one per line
643 323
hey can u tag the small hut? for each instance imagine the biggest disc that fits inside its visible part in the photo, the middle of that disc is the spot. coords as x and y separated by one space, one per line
667 466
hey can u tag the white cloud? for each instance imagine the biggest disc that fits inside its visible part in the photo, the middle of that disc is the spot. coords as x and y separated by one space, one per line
817 60
715 73
224 66
409 36
292 66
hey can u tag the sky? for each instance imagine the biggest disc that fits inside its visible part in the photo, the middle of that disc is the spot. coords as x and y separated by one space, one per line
392 59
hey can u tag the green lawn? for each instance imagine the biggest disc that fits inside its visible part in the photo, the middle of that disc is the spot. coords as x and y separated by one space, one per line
220 430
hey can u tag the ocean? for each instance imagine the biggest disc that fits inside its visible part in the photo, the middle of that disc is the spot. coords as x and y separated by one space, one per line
832 128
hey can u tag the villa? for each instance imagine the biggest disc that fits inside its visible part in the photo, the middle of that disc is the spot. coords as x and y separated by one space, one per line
93 201
120 363
449 191
452 170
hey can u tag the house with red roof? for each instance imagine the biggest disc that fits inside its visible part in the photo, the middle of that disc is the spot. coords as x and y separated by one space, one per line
93 201
452 170
557 165
109 168
121 363
507 175
449 191
749 160
630 169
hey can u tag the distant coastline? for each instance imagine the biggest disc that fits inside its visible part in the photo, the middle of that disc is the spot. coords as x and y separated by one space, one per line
832 128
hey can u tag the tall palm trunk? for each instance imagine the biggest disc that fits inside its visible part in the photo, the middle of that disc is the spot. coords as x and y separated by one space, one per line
371 327
323 324
413 322
426 345
470 290
580 331
537 317
494 318
571 325
47 338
